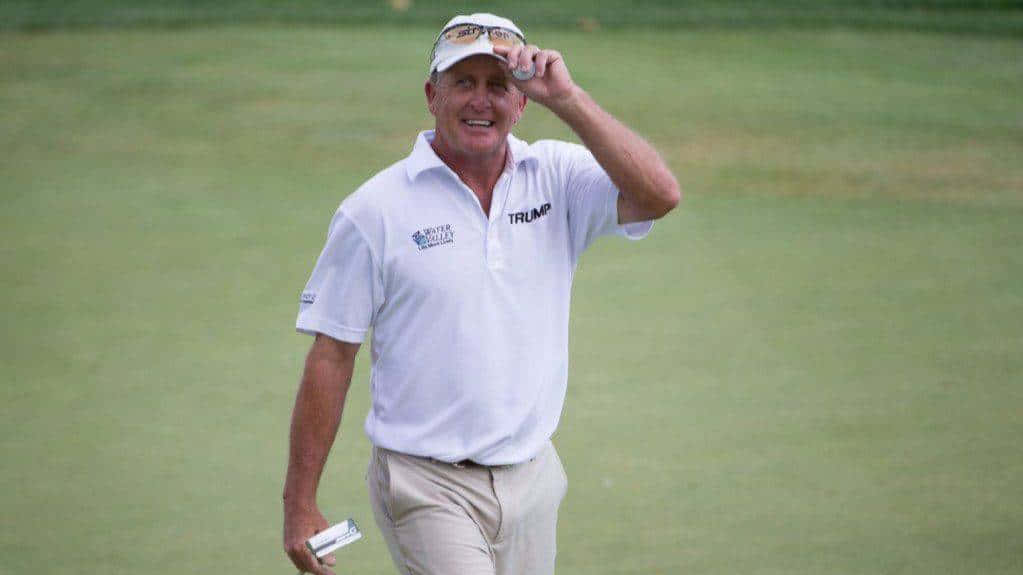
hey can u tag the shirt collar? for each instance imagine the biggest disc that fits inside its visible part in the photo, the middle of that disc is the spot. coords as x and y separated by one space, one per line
423 157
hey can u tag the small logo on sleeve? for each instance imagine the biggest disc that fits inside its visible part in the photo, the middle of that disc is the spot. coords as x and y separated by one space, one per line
433 237
529 216
308 297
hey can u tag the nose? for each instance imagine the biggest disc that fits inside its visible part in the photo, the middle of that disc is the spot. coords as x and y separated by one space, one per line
480 96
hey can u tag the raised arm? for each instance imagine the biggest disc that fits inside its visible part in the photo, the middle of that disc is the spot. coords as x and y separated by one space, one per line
314 424
647 189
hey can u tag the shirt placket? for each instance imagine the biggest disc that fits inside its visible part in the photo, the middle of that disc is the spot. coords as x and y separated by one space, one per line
493 246
493 252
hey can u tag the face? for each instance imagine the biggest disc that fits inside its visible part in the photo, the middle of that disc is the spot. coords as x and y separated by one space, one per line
475 106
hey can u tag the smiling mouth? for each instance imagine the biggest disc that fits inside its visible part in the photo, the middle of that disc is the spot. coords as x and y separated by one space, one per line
478 123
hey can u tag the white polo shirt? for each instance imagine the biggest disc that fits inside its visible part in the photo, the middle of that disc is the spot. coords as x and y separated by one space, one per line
469 313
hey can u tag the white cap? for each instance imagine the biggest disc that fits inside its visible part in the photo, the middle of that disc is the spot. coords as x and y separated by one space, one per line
447 54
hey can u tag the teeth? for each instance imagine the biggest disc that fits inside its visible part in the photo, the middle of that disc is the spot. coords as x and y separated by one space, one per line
479 123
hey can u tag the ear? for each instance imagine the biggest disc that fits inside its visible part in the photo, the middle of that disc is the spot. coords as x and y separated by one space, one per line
431 96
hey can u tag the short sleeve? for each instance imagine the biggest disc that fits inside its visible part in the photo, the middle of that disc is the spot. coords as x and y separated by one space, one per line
592 201
344 292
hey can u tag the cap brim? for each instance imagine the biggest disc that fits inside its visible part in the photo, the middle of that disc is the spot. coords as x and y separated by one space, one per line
450 60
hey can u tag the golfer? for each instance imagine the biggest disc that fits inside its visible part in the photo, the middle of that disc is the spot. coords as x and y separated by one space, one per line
460 258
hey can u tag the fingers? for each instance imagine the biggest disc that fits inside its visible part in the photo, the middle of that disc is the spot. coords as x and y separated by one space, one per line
525 59
304 560
541 62
299 525
519 56
505 51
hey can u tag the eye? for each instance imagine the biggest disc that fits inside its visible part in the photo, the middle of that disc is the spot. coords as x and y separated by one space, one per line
464 83
499 87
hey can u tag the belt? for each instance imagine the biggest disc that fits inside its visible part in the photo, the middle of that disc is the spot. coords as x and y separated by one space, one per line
470 464
465 463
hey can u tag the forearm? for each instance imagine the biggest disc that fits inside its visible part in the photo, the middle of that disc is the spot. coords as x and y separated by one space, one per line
314 424
635 167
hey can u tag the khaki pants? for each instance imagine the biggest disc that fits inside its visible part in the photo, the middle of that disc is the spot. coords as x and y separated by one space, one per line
442 519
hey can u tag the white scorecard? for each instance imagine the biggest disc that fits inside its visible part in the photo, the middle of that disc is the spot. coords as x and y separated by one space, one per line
336 536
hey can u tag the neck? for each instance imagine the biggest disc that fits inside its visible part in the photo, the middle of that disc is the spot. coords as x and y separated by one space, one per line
480 173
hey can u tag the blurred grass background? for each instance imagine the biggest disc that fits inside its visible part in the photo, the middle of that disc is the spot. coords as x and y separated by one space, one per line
1003 17
812 366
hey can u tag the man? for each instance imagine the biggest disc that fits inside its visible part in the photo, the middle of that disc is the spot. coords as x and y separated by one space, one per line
460 257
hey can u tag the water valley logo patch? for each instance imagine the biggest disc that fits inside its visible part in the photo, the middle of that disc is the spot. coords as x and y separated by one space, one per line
433 237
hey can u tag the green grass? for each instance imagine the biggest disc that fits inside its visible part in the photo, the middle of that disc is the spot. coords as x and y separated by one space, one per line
988 17
813 366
